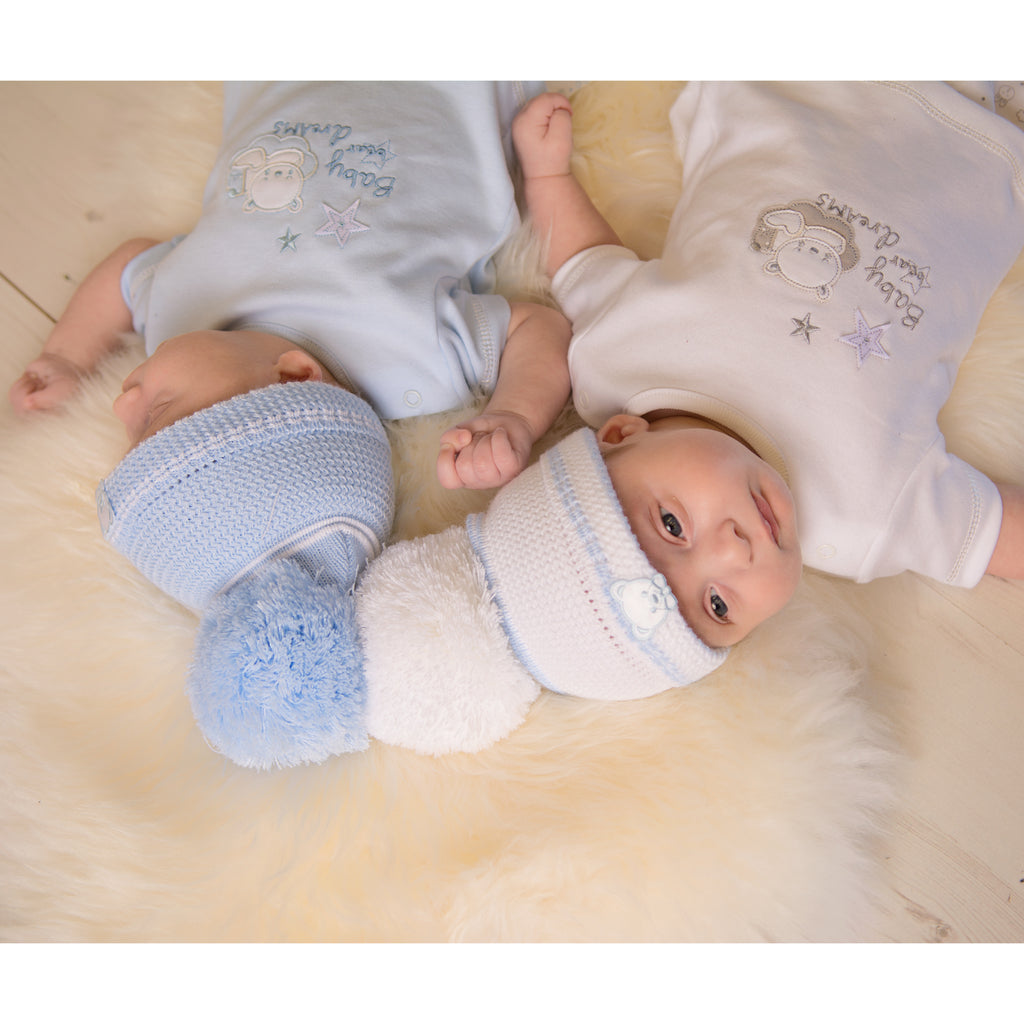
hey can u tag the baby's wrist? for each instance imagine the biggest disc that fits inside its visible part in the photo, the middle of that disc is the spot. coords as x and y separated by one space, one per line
547 178
62 363
515 423
83 349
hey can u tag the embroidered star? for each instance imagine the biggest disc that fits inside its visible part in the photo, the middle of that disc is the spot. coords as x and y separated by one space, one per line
803 327
341 225
865 339
379 155
288 240
917 278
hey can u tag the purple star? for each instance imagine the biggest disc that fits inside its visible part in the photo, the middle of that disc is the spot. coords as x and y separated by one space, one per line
865 339
341 225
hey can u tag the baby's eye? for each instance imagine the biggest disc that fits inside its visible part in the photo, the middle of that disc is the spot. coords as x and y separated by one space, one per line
671 523
718 606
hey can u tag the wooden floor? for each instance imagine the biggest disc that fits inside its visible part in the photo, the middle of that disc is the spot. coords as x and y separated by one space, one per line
947 666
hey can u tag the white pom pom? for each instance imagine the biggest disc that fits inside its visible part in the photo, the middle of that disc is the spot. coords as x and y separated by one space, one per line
440 674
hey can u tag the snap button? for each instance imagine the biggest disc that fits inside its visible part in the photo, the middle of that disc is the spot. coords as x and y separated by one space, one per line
412 398
826 551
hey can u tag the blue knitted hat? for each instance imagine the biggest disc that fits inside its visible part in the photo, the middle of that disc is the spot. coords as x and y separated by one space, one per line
260 512
299 470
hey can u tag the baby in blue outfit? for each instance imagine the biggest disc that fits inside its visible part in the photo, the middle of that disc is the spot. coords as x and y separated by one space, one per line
347 235
342 272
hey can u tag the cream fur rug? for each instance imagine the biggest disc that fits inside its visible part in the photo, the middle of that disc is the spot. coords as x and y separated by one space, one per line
751 807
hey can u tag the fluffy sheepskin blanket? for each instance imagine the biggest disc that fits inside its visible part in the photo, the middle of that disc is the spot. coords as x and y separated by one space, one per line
750 808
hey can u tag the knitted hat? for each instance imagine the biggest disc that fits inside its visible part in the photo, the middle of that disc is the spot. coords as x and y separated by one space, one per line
300 470
583 608
443 643
260 511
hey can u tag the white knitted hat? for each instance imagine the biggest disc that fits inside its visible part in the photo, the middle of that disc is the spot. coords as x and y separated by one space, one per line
299 470
583 608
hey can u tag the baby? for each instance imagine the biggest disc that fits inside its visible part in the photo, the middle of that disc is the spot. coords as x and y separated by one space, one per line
771 383
347 235
261 508
258 483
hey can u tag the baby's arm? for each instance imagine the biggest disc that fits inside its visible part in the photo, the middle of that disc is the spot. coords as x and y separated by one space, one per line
561 210
90 328
1008 557
532 387
533 382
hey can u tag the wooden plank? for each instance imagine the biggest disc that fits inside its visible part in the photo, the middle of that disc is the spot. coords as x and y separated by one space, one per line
996 605
87 165
23 329
940 893
953 688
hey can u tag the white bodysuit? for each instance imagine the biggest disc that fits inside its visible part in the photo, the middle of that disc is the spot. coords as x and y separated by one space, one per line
825 269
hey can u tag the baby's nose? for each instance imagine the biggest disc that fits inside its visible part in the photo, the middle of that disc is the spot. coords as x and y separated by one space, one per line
731 544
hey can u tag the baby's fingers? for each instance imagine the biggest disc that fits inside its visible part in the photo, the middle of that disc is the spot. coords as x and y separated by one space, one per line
453 441
21 391
48 382
542 134
490 462
502 461
31 393
447 474
458 437
539 111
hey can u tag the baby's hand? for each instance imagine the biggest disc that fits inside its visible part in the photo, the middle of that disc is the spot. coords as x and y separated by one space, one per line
484 452
542 134
47 383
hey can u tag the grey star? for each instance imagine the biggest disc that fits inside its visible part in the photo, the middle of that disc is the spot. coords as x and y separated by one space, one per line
288 240
803 327
917 278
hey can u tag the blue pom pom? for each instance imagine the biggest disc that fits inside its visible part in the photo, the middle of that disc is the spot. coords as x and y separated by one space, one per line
277 675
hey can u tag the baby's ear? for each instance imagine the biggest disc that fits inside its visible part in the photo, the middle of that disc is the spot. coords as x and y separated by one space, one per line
296 365
620 426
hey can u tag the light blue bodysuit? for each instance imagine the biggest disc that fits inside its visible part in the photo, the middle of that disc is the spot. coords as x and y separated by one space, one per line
358 220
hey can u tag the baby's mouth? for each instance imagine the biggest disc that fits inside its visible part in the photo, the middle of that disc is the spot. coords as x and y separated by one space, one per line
768 516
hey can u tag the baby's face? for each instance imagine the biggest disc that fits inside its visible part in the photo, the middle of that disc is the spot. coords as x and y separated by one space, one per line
194 371
715 519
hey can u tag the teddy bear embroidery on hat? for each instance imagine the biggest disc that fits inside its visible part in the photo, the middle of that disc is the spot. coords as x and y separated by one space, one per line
645 602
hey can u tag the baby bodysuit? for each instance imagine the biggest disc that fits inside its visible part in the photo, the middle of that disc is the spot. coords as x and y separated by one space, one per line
824 272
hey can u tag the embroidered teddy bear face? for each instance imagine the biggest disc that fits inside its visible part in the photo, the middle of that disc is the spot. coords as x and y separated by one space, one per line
810 256
802 250
276 186
270 174
810 262
645 602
